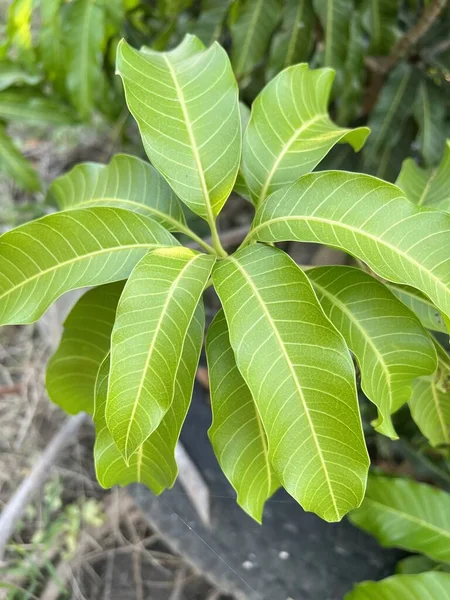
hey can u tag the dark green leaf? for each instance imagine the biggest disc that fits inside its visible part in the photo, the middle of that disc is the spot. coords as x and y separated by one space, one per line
15 165
430 111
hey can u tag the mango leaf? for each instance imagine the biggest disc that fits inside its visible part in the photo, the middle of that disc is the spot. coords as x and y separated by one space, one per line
293 44
240 186
402 513
389 115
154 462
186 105
51 46
237 434
380 19
369 219
251 33
73 368
432 586
430 187
430 111
44 259
15 165
415 564
18 29
147 341
424 310
33 107
209 24
349 100
335 17
83 35
11 73
301 376
430 401
127 182
290 131
391 346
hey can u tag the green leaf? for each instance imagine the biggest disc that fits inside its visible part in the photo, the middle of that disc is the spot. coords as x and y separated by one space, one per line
413 565
389 114
402 513
83 35
349 100
430 111
429 586
154 462
429 187
293 44
424 310
208 26
290 131
51 45
251 33
335 17
127 182
73 368
240 186
237 434
44 259
19 28
301 376
15 165
430 401
11 73
380 19
27 106
147 341
388 341
186 105
369 219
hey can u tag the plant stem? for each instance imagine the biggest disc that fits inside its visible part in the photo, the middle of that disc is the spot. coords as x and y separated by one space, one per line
217 245
198 240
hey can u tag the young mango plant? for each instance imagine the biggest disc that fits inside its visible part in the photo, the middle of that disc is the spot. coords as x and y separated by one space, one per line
282 377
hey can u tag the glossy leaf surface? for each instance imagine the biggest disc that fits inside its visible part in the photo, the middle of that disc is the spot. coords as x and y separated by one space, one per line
301 376
147 341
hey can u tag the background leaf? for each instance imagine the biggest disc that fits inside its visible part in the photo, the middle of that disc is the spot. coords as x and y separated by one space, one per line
430 111
430 401
147 341
251 33
83 34
51 46
154 462
423 308
237 434
301 376
389 343
380 19
208 26
44 259
73 368
405 514
12 73
371 220
127 182
186 105
15 165
429 187
293 43
33 107
289 131
433 586
388 117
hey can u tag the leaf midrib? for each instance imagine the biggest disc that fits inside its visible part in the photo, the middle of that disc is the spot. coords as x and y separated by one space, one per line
170 293
76 259
303 127
341 225
192 140
342 307
408 517
294 376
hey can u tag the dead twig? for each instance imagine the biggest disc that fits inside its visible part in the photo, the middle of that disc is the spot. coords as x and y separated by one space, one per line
35 480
